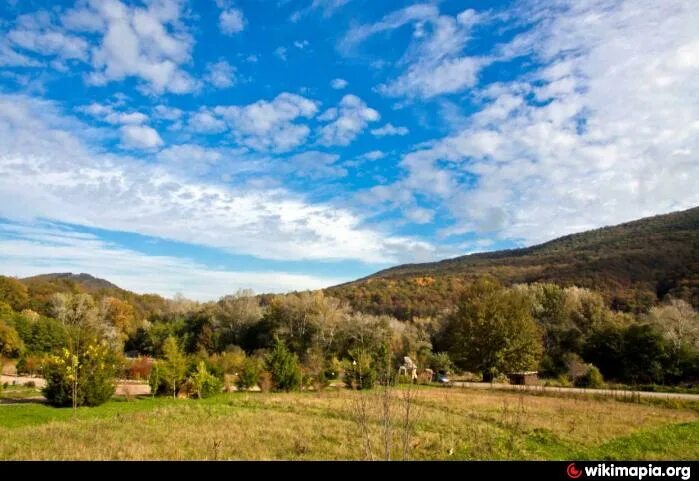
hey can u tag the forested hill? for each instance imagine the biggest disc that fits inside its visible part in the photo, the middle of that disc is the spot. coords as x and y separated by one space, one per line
86 282
632 264
39 290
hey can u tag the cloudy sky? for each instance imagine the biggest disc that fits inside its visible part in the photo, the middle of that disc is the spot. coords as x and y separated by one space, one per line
205 146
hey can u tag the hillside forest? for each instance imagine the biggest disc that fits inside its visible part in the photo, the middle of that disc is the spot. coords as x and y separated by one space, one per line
80 333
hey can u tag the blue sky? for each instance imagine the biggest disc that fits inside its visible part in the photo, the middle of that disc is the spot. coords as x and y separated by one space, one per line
202 147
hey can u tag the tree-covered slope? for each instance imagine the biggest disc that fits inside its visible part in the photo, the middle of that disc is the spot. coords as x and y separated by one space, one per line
632 264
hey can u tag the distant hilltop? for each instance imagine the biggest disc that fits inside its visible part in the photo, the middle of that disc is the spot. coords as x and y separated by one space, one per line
631 264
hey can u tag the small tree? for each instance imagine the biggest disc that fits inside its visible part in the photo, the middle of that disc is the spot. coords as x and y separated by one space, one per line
203 382
174 366
440 362
11 345
591 379
249 375
85 379
155 378
284 367
360 371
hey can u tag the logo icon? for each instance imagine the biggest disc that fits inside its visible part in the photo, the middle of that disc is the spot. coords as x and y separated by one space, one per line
573 472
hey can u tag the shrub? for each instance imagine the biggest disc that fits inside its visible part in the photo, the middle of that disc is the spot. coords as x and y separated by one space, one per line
140 368
360 372
229 362
333 369
249 375
441 362
591 379
266 383
30 384
29 364
204 384
95 370
11 345
284 367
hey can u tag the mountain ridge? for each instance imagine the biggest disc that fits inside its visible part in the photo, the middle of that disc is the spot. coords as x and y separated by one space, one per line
634 264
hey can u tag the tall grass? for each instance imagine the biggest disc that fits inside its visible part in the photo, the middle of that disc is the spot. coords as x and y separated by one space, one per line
435 424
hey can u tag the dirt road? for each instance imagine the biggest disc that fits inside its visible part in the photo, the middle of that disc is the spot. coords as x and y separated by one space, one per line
123 387
574 390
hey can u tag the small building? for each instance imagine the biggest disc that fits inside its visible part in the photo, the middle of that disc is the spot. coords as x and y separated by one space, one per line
524 377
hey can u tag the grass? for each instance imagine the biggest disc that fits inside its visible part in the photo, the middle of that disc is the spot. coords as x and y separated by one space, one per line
450 424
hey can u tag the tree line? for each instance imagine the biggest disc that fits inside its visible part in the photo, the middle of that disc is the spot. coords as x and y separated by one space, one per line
306 340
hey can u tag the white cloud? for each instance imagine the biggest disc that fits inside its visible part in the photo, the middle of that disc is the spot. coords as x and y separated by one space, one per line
220 74
434 61
328 8
140 137
301 44
147 43
164 112
231 21
414 13
48 170
281 53
108 114
429 78
615 139
269 125
9 57
347 121
339 83
205 122
117 39
315 165
35 32
390 129
373 155
27 250
82 20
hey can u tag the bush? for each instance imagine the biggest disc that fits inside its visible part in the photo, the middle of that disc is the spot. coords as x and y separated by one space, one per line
95 369
591 379
203 383
441 362
140 368
284 367
29 365
249 375
360 372
333 369
266 382
156 380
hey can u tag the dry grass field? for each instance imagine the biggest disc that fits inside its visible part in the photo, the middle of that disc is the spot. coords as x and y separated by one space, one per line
340 424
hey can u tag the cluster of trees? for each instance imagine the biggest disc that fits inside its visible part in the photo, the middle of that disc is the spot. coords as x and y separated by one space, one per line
286 342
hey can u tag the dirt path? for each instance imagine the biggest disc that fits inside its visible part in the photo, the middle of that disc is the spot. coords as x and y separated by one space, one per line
574 390
22 380
123 387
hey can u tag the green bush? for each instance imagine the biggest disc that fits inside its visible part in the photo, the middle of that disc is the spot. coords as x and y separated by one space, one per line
204 384
360 372
156 380
591 379
249 375
440 362
95 370
284 367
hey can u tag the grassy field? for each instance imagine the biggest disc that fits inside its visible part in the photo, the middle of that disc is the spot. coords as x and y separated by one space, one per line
448 424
